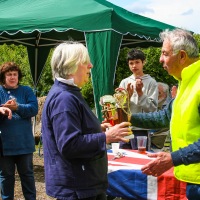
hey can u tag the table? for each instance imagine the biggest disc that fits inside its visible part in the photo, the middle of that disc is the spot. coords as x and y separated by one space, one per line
127 181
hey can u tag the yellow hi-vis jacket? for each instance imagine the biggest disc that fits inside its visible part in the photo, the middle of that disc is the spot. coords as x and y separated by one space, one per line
185 121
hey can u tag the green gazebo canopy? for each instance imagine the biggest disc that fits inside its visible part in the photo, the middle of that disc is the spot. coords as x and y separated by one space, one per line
103 27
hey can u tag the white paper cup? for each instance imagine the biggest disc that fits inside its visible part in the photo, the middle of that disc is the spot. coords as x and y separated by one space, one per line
115 147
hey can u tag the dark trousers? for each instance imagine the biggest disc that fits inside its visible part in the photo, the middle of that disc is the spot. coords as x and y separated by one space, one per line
193 191
24 166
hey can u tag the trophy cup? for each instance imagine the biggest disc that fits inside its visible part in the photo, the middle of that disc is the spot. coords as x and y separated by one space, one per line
116 108
122 104
109 109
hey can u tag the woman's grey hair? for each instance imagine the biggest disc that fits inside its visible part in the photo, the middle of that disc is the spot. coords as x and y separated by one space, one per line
67 57
181 40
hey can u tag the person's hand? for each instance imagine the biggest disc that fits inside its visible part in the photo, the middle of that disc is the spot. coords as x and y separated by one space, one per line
11 104
118 132
173 91
6 111
161 164
138 86
105 125
130 90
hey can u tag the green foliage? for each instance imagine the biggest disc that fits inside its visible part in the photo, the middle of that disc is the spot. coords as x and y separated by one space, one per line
87 92
152 67
197 38
122 69
17 54
46 80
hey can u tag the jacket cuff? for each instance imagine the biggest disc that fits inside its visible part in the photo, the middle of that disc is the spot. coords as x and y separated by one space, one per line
176 158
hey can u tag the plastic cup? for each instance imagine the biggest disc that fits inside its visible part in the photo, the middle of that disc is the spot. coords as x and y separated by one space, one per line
115 147
141 144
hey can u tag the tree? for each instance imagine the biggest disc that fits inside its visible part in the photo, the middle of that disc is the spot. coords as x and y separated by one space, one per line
46 80
197 38
17 54
153 67
87 92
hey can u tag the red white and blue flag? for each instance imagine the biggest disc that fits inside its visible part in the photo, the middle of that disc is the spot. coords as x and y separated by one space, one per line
127 181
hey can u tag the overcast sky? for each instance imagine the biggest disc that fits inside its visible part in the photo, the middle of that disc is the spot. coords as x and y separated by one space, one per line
180 13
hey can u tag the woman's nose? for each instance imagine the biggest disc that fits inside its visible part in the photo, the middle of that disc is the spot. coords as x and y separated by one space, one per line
90 65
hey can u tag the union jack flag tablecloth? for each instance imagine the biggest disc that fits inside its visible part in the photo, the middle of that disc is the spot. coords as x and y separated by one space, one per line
127 181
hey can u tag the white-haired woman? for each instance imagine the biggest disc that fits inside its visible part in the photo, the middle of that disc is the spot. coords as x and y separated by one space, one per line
74 140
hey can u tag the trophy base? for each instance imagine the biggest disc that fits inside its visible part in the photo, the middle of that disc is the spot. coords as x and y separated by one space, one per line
129 136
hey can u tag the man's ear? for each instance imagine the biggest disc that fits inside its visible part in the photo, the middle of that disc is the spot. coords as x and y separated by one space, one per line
183 56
